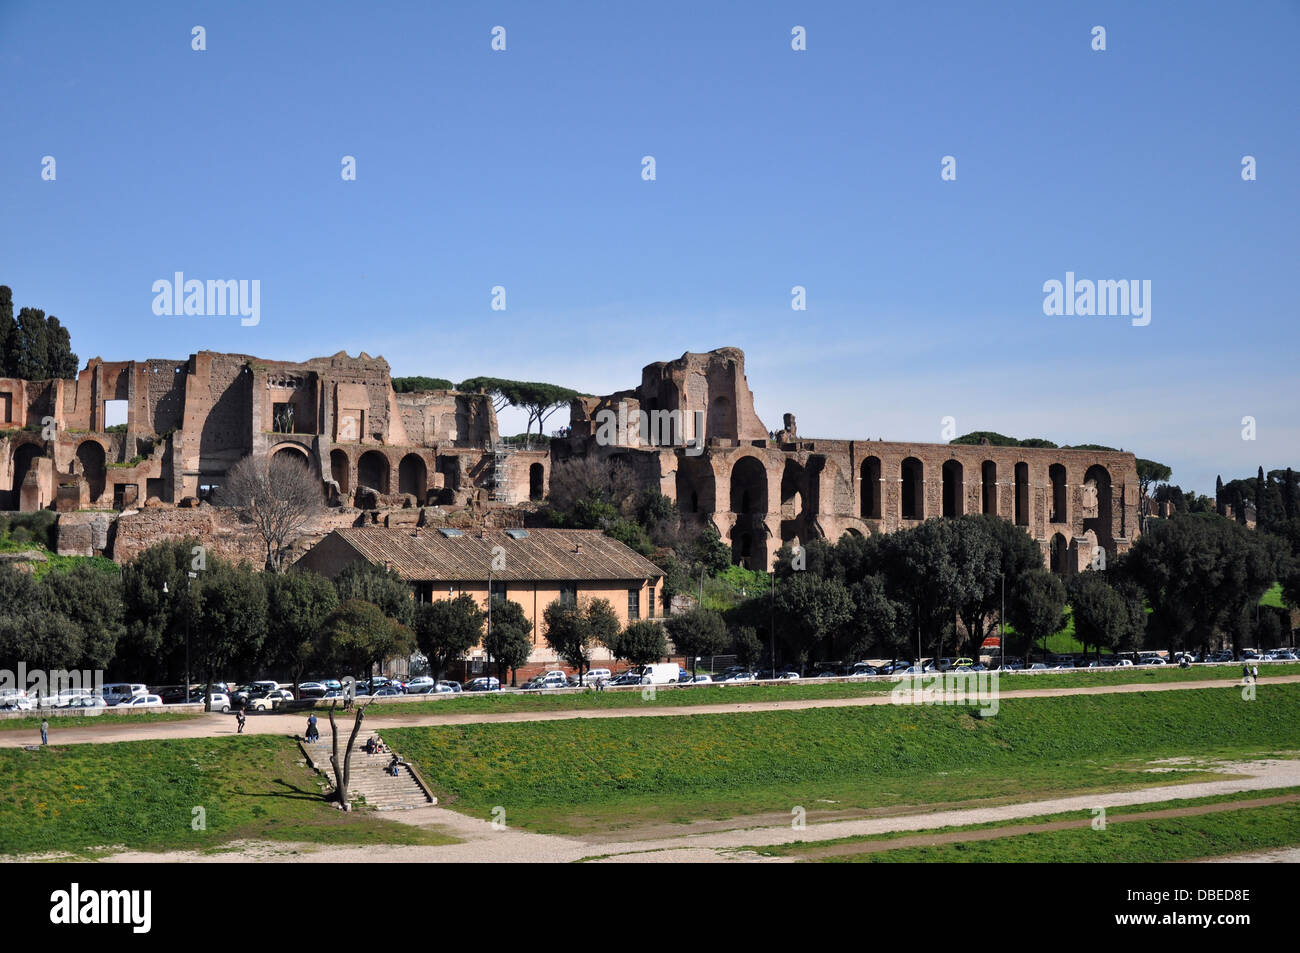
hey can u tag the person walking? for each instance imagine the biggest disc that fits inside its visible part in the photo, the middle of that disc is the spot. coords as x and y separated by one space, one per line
240 719
45 731
1254 674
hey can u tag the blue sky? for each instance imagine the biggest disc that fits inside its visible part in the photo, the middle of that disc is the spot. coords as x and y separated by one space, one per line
775 168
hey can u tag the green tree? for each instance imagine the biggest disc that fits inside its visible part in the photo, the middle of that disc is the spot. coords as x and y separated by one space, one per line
370 583
9 341
1149 472
810 611
1036 607
359 635
416 385
445 629
641 643
697 633
510 638
153 599
746 646
92 599
1105 616
572 631
297 604
227 620
874 626
1200 573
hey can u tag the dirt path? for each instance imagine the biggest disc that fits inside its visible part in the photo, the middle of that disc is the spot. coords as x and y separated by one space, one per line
484 843
218 725
953 837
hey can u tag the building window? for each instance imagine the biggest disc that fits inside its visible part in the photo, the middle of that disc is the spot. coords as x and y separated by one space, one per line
650 605
633 604
498 591
568 594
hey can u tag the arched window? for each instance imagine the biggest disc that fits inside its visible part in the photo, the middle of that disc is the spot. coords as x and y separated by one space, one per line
954 489
869 493
913 474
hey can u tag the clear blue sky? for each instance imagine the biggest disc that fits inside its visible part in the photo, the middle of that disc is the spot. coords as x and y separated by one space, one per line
775 168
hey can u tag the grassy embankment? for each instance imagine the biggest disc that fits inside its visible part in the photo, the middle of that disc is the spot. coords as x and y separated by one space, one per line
83 799
577 775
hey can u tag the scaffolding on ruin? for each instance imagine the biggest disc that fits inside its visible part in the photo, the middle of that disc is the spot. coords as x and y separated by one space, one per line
500 466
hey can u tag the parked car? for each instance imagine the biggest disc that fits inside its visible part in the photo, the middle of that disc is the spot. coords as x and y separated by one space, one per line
220 702
659 673
421 685
245 693
701 679
389 691
12 700
144 701
270 700
120 692
447 688
312 689
597 675
964 663
1038 667
481 684
1152 660
89 701
794 676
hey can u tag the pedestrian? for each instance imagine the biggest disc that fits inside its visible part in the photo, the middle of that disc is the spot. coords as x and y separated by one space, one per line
1245 673
1254 673
240 718
45 731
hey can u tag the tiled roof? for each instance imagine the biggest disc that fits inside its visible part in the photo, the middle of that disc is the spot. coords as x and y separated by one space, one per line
544 555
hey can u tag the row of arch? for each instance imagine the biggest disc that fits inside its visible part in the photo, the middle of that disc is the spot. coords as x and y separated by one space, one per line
953 498
375 470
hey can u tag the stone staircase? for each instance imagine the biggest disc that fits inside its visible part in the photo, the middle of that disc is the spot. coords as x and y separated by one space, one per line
370 778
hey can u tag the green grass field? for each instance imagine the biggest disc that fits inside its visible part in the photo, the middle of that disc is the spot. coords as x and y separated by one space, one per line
142 794
582 774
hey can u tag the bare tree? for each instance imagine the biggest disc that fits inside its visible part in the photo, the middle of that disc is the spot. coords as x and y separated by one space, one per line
343 772
277 497
589 478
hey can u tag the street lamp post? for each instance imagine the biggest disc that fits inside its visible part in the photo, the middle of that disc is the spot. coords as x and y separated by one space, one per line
771 638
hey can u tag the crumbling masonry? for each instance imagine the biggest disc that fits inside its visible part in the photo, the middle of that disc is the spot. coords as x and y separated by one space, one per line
188 422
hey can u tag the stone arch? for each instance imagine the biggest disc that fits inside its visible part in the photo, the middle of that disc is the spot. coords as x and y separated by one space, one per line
720 419
341 470
413 476
989 488
869 492
1058 554
90 454
912 477
1097 502
22 460
792 502
536 481
1022 494
852 531
954 489
373 470
749 487
696 485
291 451
1056 476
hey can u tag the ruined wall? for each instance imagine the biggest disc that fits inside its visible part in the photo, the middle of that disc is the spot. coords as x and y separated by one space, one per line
761 493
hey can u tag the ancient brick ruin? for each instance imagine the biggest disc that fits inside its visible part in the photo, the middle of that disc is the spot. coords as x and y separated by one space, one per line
188 422
763 490
688 429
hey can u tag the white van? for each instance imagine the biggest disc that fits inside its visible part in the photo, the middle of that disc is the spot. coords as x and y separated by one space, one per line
661 673
122 692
